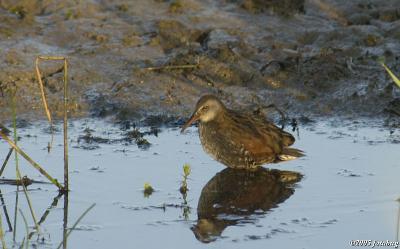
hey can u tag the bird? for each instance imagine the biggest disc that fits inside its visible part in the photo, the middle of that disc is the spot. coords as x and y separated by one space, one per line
239 140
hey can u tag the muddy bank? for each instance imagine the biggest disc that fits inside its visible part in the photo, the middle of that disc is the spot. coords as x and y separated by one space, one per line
152 59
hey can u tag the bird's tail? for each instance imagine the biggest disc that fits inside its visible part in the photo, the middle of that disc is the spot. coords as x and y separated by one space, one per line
290 154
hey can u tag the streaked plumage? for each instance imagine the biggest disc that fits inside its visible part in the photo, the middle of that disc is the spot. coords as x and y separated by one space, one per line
238 140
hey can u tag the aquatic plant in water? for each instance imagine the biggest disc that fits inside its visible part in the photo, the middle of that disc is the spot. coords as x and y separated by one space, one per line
148 190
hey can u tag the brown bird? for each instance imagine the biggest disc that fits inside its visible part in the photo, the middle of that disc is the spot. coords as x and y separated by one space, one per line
238 140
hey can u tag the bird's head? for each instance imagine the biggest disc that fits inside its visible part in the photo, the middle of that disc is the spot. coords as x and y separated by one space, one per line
208 108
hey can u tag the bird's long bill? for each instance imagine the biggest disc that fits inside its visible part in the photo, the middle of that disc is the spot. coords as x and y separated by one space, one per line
191 120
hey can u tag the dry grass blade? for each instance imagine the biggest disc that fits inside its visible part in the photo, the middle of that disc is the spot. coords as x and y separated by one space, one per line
26 239
394 78
15 214
3 243
47 212
48 58
33 163
66 181
3 203
6 161
172 67
39 76
18 173
76 223
28 199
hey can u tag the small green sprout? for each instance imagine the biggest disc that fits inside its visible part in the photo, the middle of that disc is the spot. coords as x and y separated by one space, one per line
184 189
148 190
186 170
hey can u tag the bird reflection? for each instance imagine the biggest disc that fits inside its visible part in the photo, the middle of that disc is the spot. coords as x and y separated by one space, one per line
235 196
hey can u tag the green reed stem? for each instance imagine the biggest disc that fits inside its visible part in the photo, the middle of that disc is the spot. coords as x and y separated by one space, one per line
16 213
76 223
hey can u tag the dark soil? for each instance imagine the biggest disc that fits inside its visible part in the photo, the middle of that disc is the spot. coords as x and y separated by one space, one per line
150 60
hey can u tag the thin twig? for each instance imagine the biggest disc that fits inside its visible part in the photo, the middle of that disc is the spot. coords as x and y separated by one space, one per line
6 161
187 66
43 94
46 213
76 223
15 213
28 199
39 76
49 58
25 180
66 182
65 220
3 203
30 160
14 115
3 242
170 67
26 229
18 173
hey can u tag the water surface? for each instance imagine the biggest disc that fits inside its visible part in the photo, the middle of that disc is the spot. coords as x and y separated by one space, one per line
347 191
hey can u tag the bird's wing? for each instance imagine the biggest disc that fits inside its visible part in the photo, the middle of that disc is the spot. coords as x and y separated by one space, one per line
285 138
262 143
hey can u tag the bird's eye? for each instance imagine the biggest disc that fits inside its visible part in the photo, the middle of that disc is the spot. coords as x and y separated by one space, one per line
205 108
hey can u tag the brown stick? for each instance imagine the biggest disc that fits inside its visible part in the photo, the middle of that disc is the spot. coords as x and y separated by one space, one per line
56 58
171 67
3 203
47 212
175 66
6 161
33 163
66 180
39 76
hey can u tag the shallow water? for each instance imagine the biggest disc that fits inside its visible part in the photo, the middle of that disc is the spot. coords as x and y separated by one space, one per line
348 191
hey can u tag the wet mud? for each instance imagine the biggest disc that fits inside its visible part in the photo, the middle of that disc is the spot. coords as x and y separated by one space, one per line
149 61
